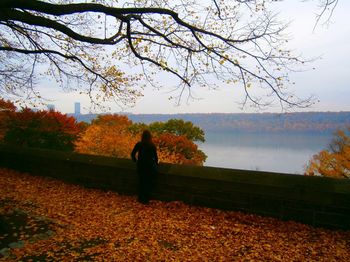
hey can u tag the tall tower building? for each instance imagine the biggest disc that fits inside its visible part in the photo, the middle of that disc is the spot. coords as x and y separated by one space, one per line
77 108
51 107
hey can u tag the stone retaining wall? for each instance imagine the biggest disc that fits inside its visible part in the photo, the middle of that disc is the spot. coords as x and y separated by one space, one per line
317 201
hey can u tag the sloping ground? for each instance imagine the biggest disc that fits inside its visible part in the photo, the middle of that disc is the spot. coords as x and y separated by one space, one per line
47 220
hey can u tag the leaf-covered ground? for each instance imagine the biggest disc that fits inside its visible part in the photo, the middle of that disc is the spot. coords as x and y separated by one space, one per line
47 220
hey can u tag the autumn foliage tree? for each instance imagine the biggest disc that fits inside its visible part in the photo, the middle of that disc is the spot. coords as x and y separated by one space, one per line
108 135
178 150
334 162
177 127
42 129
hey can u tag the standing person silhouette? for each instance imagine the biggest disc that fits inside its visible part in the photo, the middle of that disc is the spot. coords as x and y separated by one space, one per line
147 161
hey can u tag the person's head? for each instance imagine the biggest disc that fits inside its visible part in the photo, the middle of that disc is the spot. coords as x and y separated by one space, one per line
146 137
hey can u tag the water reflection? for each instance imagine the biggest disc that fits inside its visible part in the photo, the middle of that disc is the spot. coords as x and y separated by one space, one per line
286 153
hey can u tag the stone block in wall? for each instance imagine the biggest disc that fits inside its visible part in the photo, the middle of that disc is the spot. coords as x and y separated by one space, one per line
336 210
332 220
306 216
301 204
340 199
225 204
261 204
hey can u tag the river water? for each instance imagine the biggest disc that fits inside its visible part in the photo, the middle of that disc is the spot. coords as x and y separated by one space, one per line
276 152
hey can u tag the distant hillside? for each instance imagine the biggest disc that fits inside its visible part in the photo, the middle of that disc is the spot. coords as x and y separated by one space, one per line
320 122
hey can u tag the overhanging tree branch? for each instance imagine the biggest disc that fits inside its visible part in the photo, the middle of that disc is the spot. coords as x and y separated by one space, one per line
193 43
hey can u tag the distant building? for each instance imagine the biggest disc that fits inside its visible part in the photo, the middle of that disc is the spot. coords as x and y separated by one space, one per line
51 107
77 108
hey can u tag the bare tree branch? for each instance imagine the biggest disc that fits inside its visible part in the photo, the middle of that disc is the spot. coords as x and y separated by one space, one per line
325 6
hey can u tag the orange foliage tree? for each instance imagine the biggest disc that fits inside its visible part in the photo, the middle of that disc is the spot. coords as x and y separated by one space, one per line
42 129
178 150
108 135
334 162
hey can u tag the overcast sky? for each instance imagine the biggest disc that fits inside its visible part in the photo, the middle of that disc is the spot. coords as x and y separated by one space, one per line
329 82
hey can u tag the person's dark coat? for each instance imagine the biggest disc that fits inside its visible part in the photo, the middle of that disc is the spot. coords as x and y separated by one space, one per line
147 158
145 155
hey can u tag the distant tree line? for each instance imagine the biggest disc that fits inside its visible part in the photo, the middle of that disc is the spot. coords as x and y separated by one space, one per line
321 122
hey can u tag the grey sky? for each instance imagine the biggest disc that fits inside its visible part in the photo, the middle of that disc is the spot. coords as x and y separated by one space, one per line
329 82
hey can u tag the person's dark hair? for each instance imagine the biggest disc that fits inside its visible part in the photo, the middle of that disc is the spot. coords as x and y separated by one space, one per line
146 137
